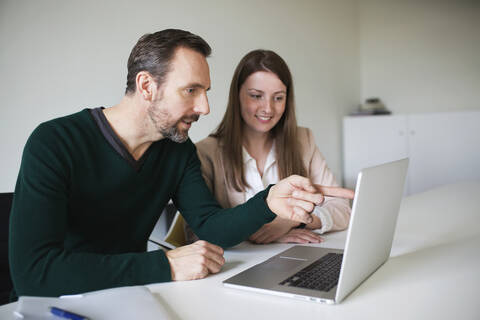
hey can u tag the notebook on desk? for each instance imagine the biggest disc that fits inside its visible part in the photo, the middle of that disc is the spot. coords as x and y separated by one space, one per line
329 275
124 303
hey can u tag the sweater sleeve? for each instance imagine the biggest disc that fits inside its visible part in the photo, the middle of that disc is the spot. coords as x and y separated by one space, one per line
40 263
224 227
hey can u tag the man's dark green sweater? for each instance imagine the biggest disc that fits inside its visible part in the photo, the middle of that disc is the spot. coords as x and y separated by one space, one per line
82 214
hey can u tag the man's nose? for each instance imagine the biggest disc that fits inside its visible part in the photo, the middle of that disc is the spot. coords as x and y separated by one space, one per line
201 106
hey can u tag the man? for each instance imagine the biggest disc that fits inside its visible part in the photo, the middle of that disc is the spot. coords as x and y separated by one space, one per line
92 185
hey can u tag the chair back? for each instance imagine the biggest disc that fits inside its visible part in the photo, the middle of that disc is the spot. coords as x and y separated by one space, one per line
5 280
176 234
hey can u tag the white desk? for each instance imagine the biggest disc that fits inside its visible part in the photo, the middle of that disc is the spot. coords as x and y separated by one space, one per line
433 272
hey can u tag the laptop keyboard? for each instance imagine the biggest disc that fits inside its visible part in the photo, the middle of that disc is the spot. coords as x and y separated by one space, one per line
321 275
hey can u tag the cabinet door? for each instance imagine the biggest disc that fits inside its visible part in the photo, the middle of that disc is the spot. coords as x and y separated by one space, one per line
444 148
372 140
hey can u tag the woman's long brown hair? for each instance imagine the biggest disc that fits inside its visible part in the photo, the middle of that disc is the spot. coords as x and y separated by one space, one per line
230 131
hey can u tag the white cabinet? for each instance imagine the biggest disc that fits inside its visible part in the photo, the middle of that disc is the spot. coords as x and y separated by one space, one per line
442 147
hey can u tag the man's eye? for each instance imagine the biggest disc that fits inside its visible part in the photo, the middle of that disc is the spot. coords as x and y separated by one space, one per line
190 90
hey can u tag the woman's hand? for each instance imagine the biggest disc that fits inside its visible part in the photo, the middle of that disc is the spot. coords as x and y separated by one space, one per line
282 230
301 236
272 231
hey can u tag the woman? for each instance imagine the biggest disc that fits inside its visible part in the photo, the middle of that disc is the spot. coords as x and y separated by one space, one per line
258 143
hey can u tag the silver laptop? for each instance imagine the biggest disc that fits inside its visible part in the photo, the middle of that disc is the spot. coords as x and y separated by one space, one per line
329 275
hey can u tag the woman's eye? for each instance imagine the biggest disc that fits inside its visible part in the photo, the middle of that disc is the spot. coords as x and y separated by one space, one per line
255 96
280 98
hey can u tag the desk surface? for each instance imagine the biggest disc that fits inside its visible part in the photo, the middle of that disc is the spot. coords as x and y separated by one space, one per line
432 272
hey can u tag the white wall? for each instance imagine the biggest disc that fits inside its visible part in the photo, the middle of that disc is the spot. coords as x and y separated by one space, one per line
58 57
421 55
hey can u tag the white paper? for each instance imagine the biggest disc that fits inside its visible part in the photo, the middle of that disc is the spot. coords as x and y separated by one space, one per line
125 303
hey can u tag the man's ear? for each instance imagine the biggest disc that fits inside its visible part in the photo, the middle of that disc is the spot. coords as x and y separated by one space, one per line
146 85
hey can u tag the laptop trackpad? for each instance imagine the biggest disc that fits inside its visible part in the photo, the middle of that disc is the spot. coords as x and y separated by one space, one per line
282 264
267 274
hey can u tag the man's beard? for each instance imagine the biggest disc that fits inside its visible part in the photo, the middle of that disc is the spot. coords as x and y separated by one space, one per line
172 132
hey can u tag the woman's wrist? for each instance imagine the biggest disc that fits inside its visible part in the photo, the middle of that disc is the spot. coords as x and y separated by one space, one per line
315 224
291 223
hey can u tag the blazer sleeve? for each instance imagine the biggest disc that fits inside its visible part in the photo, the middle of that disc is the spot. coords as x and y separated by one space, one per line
334 213
207 165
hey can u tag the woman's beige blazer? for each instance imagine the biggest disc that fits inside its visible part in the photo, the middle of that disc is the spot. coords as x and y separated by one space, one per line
210 154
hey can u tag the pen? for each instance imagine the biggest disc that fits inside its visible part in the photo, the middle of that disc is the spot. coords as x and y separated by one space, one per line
66 314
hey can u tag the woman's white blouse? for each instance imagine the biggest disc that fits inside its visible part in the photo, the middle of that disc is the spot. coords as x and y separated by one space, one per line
258 183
